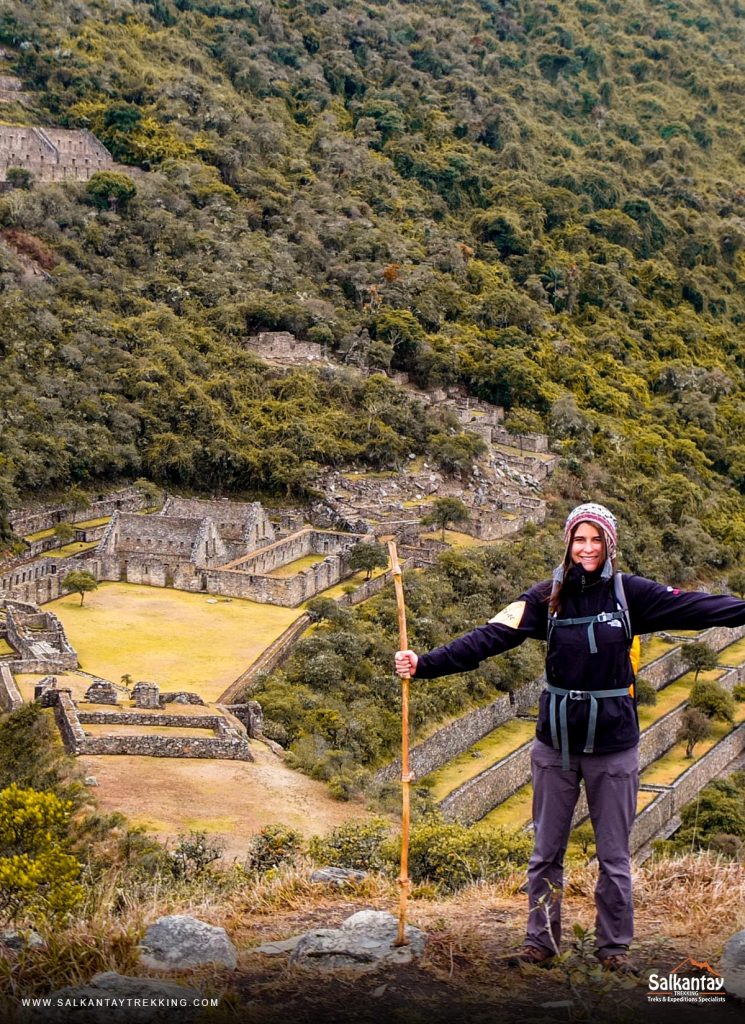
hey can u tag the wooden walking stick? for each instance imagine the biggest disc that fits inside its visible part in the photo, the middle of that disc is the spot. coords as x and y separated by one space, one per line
403 878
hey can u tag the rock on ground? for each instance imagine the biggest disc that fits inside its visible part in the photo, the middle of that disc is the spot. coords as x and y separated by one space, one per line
364 942
733 965
124 1001
340 878
178 941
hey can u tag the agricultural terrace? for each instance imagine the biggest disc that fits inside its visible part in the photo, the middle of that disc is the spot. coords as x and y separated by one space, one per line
517 810
482 755
666 769
179 640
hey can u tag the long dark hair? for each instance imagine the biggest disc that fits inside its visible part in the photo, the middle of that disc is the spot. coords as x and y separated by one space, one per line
560 579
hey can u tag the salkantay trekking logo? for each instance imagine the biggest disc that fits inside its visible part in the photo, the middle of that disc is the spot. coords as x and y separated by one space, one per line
692 981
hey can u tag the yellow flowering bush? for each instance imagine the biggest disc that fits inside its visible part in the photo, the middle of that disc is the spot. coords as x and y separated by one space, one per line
38 878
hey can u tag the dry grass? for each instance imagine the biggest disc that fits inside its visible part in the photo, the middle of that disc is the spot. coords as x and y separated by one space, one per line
469 937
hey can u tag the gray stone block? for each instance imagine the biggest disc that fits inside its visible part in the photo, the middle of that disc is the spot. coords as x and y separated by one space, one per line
178 941
112 998
364 942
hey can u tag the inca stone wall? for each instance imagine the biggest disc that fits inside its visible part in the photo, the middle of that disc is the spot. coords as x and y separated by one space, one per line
229 744
39 640
283 347
30 520
155 718
53 154
707 767
475 798
246 522
10 698
671 665
526 442
451 740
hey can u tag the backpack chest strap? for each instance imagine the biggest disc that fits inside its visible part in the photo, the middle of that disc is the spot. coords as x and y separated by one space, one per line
589 621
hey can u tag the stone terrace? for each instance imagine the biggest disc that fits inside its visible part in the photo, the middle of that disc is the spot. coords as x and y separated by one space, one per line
53 154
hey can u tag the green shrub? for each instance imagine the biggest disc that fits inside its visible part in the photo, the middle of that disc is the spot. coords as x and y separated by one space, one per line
645 692
453 855
193 854
713 700
273 845
352 845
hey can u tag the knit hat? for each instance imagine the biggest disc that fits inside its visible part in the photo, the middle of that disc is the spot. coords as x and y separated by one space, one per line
600 516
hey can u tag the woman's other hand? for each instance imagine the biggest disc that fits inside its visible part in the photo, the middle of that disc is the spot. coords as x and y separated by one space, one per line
406 662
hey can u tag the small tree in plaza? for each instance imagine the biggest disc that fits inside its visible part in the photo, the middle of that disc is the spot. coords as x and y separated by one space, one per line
368 557
446 511
81 582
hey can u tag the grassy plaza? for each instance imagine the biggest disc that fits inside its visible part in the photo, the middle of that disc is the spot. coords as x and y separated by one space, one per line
179 640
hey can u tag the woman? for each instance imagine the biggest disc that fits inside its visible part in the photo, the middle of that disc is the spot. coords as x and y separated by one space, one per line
587 722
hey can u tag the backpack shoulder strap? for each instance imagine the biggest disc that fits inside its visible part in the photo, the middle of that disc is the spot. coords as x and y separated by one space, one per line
623 605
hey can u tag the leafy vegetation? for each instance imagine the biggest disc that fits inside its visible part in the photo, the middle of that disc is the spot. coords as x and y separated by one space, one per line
539 202
715 819
336 704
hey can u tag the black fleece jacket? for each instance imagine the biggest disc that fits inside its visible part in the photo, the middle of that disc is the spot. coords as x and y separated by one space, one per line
569 663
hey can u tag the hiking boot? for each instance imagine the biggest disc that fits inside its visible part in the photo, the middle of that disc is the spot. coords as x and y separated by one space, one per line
530 956
619 963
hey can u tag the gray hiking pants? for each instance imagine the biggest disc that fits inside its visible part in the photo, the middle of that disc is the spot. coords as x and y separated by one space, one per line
611 785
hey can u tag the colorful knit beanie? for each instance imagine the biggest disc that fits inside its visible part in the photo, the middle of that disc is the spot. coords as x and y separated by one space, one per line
599 516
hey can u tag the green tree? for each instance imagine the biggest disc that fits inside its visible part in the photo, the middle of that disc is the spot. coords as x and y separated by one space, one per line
64 532
645 692
76 500
698 656
694 727
326 608
713 700
80 582
19 177
368 557
445 512
111 190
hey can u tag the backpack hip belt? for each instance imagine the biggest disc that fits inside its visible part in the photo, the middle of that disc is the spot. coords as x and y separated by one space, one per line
563 729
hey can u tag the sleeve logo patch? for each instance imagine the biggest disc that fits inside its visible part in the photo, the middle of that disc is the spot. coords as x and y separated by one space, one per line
510 616
673 590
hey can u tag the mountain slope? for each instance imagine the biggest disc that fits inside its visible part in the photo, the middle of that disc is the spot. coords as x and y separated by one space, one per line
541 202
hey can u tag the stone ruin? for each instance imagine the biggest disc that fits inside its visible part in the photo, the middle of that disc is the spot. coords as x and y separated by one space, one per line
283 347
181 697
146 695
229 549
101 692
54 154
36 638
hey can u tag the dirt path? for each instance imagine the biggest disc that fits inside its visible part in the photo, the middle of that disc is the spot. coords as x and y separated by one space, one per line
230 800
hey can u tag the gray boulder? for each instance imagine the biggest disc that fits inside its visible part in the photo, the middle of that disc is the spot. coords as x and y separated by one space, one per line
364 942
15 940
124 1001
733 965
175 942
339 878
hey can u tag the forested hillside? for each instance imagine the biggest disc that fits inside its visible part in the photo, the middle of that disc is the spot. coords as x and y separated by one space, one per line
543 202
